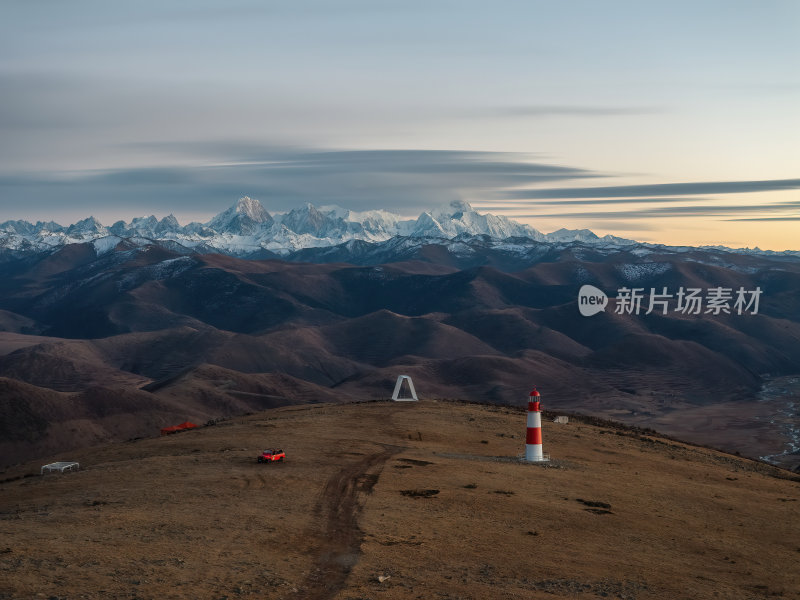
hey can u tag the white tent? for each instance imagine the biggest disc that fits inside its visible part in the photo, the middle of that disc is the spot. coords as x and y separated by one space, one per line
60 467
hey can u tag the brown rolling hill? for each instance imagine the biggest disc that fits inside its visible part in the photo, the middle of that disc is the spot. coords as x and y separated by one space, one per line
37 421
154 322
400 500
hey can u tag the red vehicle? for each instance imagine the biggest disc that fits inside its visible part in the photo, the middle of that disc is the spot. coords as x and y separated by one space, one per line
272 455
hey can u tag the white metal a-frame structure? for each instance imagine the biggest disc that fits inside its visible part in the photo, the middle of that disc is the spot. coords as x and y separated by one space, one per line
396 395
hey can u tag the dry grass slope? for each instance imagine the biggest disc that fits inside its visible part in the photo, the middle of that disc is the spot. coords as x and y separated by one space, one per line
413 500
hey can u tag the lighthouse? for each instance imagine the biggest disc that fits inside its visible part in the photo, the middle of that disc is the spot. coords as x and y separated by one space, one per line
533 436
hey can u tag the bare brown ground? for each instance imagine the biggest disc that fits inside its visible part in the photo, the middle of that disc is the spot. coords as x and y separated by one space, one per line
389 501
340 543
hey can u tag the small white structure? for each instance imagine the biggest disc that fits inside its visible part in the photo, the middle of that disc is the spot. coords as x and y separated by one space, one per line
563 419
60 467
396 395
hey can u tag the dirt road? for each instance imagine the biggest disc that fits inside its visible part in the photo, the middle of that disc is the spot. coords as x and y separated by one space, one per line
340 537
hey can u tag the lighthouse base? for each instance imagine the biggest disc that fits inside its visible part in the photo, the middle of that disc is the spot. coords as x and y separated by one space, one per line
533 453
536 459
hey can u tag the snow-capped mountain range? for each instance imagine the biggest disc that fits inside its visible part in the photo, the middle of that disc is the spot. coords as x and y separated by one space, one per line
246 228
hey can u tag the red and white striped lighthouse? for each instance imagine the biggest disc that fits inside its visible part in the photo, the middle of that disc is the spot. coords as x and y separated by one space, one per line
533 437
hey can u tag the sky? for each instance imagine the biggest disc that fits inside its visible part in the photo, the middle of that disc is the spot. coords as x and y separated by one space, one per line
670 122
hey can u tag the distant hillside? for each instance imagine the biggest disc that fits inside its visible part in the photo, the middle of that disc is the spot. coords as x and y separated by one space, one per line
206 335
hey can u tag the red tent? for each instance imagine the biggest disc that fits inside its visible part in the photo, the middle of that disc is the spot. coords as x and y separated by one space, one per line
177 428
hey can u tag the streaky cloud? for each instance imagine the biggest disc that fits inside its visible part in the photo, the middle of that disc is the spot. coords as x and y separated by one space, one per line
788 218
554 110
659 189
515 204
668 211
406 181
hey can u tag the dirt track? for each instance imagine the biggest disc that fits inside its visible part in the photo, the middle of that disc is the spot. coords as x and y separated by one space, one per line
340 541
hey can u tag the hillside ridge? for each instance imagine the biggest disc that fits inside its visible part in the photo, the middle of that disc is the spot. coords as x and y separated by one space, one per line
397 500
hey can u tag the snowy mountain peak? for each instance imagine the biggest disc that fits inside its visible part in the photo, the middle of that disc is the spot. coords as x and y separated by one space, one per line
89 226
444 212
49 226
144 224
252 209
245 217
454 209
308 220
458 217
246 229
167 224
572 235
18 227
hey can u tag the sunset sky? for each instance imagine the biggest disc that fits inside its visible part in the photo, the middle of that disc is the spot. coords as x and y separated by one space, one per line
673 122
